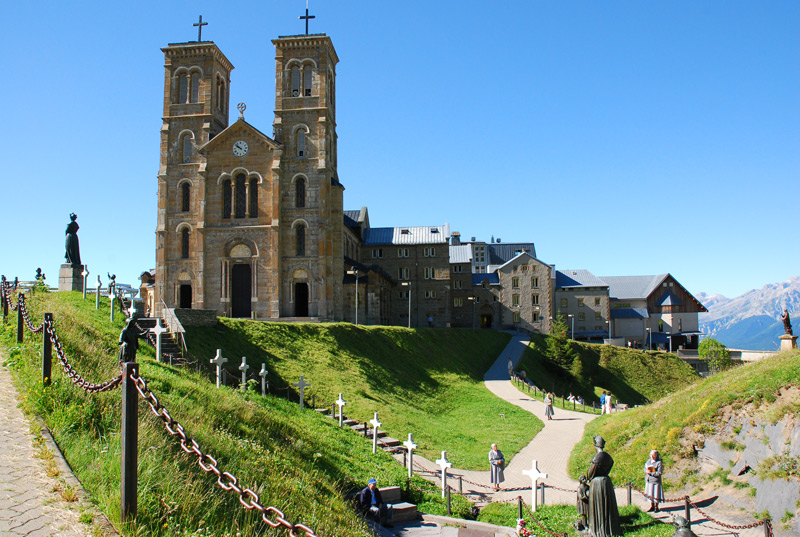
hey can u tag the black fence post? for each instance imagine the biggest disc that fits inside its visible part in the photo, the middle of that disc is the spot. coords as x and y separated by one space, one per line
5 299
460 485
47 351
542 498
449 512
630 493
20 320
688 511
519 507
130 437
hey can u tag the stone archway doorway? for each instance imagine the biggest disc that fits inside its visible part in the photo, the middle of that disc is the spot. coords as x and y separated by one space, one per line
241 278
301 299
185 296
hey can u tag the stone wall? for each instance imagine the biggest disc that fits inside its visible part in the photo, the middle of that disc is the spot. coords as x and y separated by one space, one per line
191 317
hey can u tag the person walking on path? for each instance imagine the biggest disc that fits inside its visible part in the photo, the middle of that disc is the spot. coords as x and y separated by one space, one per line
608 402
496 465
510 368
602 403
548 401
653 469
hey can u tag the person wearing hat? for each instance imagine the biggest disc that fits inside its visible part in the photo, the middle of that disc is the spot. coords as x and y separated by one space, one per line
372 503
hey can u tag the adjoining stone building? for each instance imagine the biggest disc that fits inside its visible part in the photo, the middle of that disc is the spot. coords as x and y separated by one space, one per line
581 299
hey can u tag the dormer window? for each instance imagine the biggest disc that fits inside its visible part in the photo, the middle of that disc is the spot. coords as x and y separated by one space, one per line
405 232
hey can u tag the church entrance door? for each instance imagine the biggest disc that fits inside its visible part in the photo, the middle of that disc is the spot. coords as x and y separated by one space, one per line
301 299
486 321
185 296
240 290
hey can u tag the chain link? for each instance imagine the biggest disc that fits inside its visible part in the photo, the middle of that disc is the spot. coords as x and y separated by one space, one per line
729 526
225 480
74 376
541 526
7 295
26 317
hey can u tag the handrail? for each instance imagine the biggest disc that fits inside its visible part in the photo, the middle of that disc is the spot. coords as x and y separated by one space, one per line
173 323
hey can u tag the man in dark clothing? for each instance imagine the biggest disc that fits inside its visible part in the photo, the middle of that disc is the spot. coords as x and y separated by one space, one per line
372 504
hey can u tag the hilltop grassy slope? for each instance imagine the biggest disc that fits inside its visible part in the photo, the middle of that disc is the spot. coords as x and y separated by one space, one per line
427 382
633 376
676 422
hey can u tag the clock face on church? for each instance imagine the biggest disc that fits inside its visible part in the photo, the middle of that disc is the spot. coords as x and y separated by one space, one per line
240 148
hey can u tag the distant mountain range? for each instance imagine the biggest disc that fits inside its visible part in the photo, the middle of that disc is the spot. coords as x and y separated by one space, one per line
752 321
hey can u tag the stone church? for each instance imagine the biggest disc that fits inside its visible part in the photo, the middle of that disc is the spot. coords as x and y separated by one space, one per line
250 225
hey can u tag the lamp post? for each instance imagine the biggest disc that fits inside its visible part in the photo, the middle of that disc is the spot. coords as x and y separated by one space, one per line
354 270
572 329
408 284
472 299
649 340
608 322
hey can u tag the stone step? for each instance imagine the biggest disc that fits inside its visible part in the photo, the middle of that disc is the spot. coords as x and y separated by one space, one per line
349 422
391 494
403 511
388 441
324 411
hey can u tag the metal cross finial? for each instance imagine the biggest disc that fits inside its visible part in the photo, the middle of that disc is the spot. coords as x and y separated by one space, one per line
241 107
200 25
306 17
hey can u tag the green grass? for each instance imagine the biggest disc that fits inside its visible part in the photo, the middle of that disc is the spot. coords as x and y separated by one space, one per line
634 377
559 519
673 424
427 382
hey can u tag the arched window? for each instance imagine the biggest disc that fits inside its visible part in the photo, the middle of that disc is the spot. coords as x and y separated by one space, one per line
295 82
241 196
185 191
185 243
195 87
183 88
187 148
300 193
220 94
226 198
300 234
307 81
301 143
253 197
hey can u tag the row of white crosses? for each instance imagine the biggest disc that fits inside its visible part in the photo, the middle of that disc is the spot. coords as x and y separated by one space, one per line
219 360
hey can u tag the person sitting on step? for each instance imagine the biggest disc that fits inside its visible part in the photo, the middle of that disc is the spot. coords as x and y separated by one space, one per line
372 504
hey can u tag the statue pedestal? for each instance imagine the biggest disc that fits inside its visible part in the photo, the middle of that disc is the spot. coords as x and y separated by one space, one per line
70 278
788 342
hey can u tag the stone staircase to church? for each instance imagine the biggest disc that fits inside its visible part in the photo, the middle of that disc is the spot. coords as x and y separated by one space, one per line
170 349
403 511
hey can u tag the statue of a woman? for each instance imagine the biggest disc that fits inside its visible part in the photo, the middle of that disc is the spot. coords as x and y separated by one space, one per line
603 512
73 251
787 322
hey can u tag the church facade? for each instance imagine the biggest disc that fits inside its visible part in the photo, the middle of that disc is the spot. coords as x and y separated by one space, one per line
250 225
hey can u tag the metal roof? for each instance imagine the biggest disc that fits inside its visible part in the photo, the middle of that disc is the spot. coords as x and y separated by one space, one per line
629 313
461 253
577 278
407 235
632 287
499 253
351 220
478 278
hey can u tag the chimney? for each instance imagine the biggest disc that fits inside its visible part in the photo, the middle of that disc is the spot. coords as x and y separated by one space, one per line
455 238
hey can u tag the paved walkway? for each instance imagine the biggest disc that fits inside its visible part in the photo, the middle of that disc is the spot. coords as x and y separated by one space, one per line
31 503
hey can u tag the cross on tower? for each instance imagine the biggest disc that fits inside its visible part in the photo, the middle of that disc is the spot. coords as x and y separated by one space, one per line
301 386
535 476
306 17
200 25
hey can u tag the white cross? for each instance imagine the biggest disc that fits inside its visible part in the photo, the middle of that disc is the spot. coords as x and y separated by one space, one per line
85 275
535 476
301 386
340 402
97 295
375 424
218 360
410 447
243 368
112 296
444 464
158 330
263 374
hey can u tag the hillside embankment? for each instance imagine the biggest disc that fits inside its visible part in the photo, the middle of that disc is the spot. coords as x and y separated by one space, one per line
735 435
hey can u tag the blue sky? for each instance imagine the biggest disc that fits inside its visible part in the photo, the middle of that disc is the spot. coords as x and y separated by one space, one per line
621 137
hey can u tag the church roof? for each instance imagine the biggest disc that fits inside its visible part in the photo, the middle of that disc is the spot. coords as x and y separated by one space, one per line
222 136
461 253
577 278
407 235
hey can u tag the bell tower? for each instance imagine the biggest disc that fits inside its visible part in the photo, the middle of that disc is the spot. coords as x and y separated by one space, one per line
312 267
196 99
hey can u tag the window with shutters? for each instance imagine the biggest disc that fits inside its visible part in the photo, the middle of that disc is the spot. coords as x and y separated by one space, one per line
227 197
300 192
240 205
185 191
253 198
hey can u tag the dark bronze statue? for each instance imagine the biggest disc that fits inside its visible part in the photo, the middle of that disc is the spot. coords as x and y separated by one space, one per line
602 503
787 322
682 525
582 504
73 250
129 340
